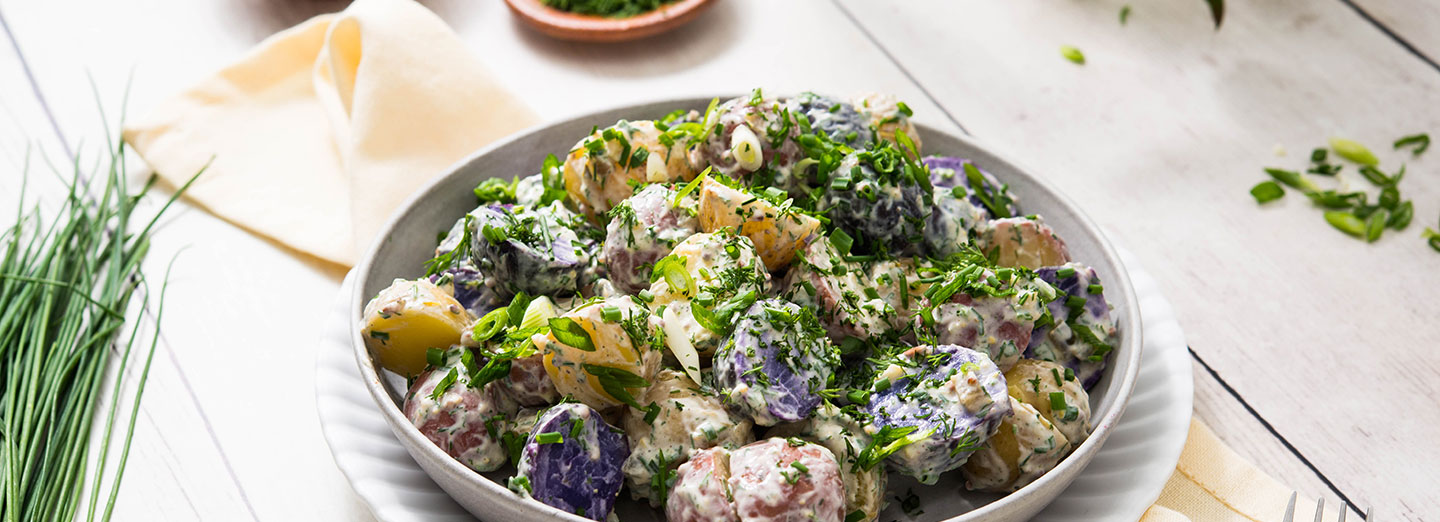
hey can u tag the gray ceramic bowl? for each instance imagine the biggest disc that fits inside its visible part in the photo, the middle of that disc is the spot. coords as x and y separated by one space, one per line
409 239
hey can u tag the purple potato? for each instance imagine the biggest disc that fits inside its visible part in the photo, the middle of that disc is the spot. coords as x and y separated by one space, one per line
540 251
643 229
953 396
572 461
471 288
1062 343
838 120
952 222
948 172
880 206
773 366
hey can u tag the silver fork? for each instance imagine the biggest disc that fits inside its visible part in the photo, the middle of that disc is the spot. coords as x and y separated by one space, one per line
1319 509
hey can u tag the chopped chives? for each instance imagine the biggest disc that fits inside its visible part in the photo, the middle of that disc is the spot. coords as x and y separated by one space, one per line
1346 222
549 438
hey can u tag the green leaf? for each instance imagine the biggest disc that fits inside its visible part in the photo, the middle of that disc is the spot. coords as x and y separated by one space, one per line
1354 151
1073 54
1267 191
571 334
444 384
1124 14
496 190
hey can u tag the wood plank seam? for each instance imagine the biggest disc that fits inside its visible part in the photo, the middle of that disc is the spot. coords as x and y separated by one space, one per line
209 429
35 88
1392 34
1273 432
898 65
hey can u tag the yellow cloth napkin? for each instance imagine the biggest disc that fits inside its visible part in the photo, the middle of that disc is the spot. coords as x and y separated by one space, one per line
1213 483
319 133
324 129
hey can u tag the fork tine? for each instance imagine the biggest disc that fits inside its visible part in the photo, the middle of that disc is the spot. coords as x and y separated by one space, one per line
1320 509
1344 509
1290 508
1367 513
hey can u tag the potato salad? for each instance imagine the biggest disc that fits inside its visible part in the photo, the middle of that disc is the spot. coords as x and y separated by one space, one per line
756 312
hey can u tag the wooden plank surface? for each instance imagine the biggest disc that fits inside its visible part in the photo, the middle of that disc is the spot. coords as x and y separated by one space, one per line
1160 135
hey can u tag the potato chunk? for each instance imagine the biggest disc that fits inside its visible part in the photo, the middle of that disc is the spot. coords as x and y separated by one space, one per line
777 232
622 336
408 318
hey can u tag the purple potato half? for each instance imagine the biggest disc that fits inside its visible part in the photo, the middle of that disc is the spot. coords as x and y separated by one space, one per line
953 397
775 363
572 460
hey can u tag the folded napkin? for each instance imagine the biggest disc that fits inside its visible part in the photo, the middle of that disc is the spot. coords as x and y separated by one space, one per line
1213 483
320 132
317 135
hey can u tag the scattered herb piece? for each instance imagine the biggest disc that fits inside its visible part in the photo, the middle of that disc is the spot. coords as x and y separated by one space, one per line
1217 11
1124 14
549 438
1073 54
1346 222
1267 191
1419 141
1354 151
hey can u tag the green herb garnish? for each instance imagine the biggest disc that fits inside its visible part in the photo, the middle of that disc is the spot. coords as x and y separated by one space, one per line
1419 141
1354 151
1267 191
571 334
1073 54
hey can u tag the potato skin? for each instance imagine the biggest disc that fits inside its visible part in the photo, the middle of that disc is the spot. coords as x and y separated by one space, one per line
631 344
844 436
1061 342
463 421
702 489
768 485
408 318
777 232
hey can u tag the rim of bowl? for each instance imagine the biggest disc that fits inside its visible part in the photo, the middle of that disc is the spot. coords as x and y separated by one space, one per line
1132 342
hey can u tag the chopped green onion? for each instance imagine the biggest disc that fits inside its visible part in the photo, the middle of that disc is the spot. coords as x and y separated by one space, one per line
549 437
691 186
1073 54
1057 401
1354 151
1346 222
1124 14
1267 191
1095 289
904 109
1420 141
610 313
1065 273
1375 226
1291 178
1402 215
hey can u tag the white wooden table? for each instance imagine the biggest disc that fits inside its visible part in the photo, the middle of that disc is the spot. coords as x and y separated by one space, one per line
1315 353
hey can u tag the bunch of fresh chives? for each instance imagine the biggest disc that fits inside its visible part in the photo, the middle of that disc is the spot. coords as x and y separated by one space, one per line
65 286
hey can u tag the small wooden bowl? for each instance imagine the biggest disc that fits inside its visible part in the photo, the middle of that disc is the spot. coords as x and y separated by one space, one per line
584 28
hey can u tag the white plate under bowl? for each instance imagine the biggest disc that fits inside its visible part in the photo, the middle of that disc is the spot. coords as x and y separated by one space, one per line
1121 482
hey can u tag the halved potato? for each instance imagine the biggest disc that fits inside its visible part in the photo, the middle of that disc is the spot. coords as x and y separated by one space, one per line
408 318
612 327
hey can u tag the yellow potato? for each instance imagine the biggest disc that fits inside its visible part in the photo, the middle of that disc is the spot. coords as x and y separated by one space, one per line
407 319
777 233
1032 381
599 173
1025 447
1024 242
885 116
629 340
